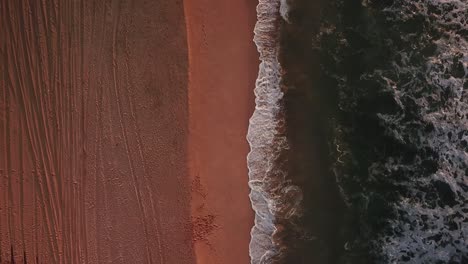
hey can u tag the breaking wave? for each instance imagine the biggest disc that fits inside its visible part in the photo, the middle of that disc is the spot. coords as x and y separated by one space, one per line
275 200
399 70
396 76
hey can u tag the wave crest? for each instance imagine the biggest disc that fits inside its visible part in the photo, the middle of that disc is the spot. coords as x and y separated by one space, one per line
275 200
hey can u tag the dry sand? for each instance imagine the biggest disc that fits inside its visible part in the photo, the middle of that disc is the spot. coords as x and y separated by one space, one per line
223 68
93 131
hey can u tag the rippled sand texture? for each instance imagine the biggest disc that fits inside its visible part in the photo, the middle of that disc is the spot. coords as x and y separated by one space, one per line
93 132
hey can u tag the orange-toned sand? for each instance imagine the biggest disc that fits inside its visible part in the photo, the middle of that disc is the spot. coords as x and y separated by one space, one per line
223 65
122 139
93 132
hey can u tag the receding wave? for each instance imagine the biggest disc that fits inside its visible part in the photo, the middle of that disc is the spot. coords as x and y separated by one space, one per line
274 199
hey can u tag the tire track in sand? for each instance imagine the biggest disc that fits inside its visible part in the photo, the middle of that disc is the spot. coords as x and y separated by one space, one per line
70 90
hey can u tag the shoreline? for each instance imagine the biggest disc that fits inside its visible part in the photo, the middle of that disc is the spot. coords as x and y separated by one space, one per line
130 147
223 66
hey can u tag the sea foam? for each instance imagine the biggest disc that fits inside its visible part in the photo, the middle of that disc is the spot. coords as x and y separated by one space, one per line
274 199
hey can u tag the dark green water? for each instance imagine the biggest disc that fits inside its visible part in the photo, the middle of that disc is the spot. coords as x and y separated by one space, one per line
308 108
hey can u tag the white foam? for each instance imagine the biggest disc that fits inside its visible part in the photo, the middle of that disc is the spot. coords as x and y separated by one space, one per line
274 200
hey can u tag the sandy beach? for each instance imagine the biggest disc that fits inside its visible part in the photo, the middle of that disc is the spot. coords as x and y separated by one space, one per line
223 65
123 130
94 133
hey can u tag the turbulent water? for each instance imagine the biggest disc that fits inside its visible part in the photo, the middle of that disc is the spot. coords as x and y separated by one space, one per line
391 76
274 199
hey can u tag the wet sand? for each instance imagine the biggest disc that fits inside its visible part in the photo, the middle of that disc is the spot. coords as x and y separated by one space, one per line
93 132
223 69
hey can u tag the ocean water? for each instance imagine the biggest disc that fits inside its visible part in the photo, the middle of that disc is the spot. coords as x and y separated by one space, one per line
360 135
